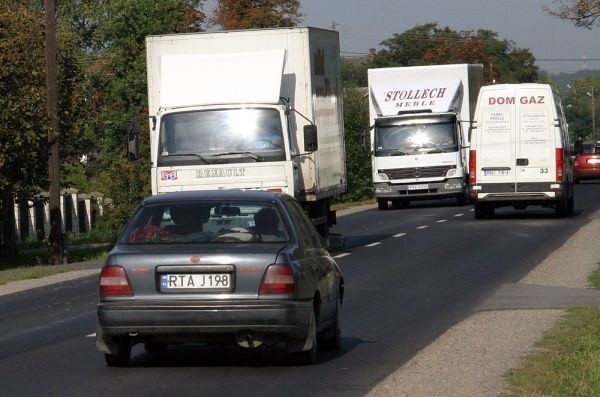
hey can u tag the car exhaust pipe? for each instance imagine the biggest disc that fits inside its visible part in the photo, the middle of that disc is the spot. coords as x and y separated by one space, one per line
249 341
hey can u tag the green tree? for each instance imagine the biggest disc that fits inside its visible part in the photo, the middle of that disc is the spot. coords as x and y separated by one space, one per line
115 89
429 44
358 159
247 14
23 134
580 107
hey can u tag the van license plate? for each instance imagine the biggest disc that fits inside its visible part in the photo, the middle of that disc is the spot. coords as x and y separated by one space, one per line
496 173
418 187
195 281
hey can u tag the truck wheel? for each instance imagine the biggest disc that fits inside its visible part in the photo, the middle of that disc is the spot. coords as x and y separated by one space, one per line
382 204
483 211
561 208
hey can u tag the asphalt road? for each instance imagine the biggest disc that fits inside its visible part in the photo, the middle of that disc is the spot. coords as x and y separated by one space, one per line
410 275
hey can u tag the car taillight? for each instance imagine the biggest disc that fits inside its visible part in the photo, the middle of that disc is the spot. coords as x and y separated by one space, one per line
559 164
472 166
114 282
278 280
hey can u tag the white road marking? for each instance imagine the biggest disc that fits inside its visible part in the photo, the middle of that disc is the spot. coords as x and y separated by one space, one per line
373 244
457 215
422 227
399 235
442 220
91 335
341 255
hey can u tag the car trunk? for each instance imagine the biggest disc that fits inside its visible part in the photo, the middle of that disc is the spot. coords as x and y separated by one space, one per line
190 272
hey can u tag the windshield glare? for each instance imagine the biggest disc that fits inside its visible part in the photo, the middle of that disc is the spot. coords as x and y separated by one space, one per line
219 134
415 138
206 222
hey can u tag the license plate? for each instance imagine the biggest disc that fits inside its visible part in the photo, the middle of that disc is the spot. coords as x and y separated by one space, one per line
418 187
195 281
593 161
496 173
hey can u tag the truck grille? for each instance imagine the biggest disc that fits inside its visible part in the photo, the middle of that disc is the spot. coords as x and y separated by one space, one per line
417 172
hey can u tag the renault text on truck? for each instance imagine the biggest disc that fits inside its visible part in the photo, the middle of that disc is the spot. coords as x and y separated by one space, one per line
252 109
520 151
420 118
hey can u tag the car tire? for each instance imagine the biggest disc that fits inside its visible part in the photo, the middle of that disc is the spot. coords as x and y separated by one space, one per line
121 357
333 340
308 357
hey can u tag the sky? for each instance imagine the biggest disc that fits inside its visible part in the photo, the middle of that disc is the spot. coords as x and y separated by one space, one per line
364 24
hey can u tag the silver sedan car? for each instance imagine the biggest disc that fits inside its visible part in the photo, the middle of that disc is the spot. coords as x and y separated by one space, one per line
219 267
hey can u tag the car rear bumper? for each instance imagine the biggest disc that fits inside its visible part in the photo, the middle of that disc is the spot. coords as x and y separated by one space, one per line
590 173
178 322
534 193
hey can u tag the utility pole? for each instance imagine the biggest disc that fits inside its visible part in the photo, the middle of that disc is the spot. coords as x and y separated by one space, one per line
56 238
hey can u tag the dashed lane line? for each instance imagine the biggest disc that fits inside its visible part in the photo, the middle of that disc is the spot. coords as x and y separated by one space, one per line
341 255
399 235
373 244
422 227
442 220
457 215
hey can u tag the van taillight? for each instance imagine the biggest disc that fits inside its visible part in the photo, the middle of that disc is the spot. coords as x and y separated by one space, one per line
114 282
278 280
559 165
472 167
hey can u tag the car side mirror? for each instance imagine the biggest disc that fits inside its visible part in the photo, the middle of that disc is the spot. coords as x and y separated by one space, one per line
133 140
335 242
310 138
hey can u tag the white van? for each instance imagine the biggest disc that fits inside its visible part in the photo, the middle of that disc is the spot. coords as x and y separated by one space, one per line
520 151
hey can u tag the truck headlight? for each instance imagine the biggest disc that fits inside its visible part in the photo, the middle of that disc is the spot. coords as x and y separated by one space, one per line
383 176
451 172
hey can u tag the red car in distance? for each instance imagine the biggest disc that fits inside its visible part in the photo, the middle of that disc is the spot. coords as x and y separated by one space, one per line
586 164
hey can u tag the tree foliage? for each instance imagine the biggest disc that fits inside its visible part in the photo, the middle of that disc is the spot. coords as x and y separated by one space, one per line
429 44
580 107
247 14
582 13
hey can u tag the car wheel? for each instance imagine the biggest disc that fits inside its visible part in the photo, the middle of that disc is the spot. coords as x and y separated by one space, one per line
307 357
382 204
333 340
121 357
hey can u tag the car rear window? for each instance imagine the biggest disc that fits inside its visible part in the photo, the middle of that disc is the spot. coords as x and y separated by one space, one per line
206 222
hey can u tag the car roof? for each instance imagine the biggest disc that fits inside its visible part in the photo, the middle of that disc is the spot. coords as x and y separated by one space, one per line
231 194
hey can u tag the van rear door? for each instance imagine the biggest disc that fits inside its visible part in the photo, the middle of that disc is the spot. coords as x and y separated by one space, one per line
535 138
516 148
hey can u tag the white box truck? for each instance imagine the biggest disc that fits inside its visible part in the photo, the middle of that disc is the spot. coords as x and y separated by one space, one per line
252 109
520 150
420 118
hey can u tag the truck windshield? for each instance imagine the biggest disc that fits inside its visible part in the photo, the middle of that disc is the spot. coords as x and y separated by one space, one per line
397 140
220 136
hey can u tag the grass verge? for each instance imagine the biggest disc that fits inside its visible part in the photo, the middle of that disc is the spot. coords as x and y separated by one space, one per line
34 264
567 359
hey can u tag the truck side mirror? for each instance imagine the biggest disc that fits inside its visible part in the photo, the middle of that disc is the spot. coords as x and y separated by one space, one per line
133 140
310 138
